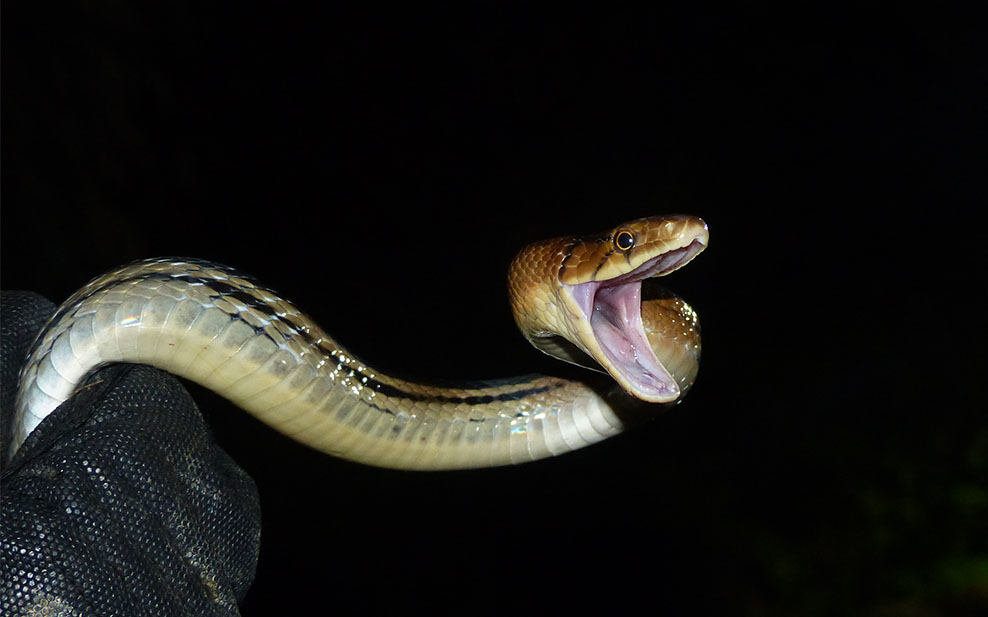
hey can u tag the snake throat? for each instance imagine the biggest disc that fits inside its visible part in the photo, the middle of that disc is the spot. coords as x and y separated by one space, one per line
613 309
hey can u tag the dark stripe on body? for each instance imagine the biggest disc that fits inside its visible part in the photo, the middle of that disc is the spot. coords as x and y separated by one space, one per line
486 399
224 289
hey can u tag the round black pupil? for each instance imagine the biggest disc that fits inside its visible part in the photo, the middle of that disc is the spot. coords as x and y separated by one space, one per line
624 240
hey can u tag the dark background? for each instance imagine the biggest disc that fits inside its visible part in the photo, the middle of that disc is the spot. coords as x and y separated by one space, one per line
381 165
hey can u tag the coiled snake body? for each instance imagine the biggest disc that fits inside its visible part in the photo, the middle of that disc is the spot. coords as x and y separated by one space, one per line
576 298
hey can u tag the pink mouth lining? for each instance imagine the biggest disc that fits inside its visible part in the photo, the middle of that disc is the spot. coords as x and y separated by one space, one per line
614 310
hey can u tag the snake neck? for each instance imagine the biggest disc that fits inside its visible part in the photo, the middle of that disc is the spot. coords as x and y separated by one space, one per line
541 314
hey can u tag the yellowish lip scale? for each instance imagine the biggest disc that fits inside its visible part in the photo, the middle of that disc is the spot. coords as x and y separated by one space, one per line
577 298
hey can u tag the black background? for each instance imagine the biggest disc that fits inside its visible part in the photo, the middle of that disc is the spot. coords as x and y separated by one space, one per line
380 166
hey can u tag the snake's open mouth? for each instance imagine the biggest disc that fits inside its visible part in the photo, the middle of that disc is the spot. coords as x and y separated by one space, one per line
613 309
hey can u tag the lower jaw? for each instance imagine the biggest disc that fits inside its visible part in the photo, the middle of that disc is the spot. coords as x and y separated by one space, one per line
617 327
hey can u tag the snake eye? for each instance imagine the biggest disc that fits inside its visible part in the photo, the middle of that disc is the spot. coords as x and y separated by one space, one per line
624 240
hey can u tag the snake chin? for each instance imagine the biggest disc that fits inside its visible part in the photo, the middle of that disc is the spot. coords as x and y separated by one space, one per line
619 343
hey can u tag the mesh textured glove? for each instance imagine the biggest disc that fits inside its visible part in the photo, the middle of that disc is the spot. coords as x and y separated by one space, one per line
119 503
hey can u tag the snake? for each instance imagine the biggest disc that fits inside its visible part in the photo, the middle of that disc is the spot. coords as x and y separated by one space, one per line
577 298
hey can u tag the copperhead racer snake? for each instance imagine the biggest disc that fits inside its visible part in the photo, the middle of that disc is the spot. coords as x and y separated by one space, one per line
576 298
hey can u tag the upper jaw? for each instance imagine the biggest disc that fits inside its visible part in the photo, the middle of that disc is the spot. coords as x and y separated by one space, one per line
608 325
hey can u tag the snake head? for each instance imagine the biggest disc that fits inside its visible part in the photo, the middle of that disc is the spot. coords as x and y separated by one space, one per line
582 297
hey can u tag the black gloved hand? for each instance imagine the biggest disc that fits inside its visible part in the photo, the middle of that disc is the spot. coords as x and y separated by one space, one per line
119 503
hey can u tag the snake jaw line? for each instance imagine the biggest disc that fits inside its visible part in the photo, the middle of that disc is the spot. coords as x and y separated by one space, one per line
610 327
